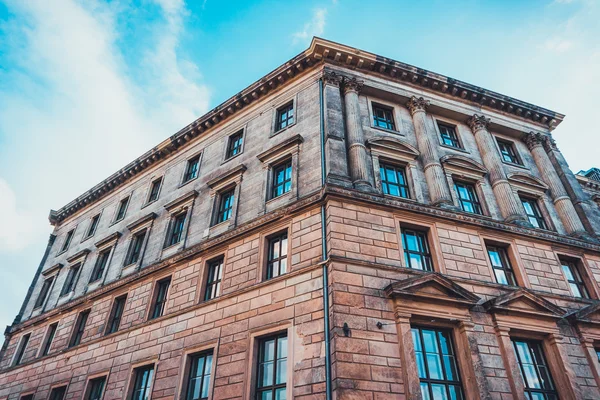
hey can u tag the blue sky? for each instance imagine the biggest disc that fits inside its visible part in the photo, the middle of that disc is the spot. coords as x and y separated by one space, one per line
87 86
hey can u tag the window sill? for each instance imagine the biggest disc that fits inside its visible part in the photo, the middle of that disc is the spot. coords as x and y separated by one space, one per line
220 224
395 132
186 182
148 203
515 165
60 253
282 130
116 222
273 199
87 238
171 246
460 149
225 161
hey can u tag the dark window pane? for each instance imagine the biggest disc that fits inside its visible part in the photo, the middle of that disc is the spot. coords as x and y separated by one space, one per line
154 190
67 241
277 256
272 367
213 281
467 197
574 279
96 388
162 290
533 213
393 181
225 206
69 284
199 376
93 225
501 265
416 250
122 209
383 117
135 248
79 328
143 382
536 377
58 393
234 146
191 171
285 116
448 135
508 152
116 314
177 227
44 292
49 338
282 179
21 350
100 266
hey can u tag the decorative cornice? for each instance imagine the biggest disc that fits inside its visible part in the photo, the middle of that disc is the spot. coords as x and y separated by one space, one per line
78 255
52 269
229 175
533 139
181 199
477 122
101 243
288 144
509 303
332 78
550 143
146 218
351 85
415 104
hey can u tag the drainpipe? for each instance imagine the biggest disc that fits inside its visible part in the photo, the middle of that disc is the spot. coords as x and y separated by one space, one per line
328 391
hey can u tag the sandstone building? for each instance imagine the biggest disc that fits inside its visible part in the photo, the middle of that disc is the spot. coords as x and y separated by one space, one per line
347 227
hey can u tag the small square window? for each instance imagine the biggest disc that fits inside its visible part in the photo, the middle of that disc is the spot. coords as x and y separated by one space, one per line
285 116
503 271
574 279
162 290
282 179
96 388
135 248
449 136
122 209
467 198
93 225
198 381
383 117
277 255
393 181
191 170
533 212
58 393
41 299
100 266
154 190
416 250
67 241
225 206
508 152
71 280
176 231
142 382
79 328
213 279
234 145
116 314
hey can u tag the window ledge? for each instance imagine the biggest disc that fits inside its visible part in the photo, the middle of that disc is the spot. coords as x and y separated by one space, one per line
225 161
149 203
281 130
460 149
395 132
171 246
116 222
219 224
186 183
515 165
60 253
87 238
273 199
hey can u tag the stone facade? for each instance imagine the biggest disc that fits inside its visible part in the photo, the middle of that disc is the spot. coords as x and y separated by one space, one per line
351 299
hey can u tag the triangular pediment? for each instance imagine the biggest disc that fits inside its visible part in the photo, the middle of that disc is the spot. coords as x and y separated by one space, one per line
432 287
589 314
461 164
393 148
524 302
527 181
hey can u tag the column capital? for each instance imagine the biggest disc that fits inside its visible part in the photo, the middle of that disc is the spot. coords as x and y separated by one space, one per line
533 139
417 104
550 143
352 85
332 78
477 122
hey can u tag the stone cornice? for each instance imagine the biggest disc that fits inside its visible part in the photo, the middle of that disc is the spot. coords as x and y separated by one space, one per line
181 199
52 269
146 218
281 148
113 237
78 255
227 176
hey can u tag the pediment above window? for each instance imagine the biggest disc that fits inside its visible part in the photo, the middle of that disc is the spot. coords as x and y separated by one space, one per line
228 178
181 202
463 166
141 222
589 315
52 270
527 182
393 148
78 256
285 148
108 241
522 302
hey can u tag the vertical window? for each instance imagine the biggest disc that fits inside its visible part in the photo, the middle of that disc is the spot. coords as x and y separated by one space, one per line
508 152
282 179
536 376
277 255
67 241
574 279
116 314
272 368
467 197
27 397
122 209
436 363
142 383
213 280
383 117
154 190
393 181
69 284
58 393
533 213
225 206
135 248
41 299
176 233
79 328
162 289
285 116
96 388
234 145
49 339
191 170
21 350
100 266
199 376
93 226
598 354
416 250
501 265
448 135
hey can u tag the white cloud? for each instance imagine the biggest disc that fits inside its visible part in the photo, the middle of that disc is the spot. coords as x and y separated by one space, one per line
558 45
17 227
315 27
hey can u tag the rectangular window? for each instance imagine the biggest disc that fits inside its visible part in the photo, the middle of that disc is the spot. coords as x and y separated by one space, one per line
534 369
93 226
508 152
142 383
27 397
41 299
225 206
135 248
116 314
79 328
501 265
272 368
285 116
393 181
282 179
100 266
58 393
154 190
277 255
67 241
191 170
213 280
199 376
96 388
69 284
533 213
49 339
574 279
162 289
177 226
122 209
21 350
449 136
436 362
234 145
383 117
416 250
467 197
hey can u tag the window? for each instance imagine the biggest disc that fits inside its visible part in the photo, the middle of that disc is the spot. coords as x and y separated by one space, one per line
536 376
533 213
285 116
93 226
416 250
69 284
79 328
574 279
67 241
191 171
282 179
135 248
234 145
448 135
383 117
199 376
508 152
436 363
122 209
225 206
501 266
213 280
41 299
27 397
272 368
467 197
96 387
49 339
21 350
176 233
154 190
100 266
277 255
598 354
162 289
393 181
58 393
116 314
142 383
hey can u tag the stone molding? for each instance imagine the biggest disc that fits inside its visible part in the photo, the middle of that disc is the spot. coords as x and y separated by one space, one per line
141 221
52 269
108 240
78 255
524 302
477 122
533 139
415 104
352 85
290 146
332 78
229 176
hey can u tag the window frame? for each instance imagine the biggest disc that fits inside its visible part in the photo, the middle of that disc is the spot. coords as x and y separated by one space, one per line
124 206
53 390
211 281
275 386
155 296
287 106
383 165
270 261
135 375
175 218
541 350
385 109
113 323
512 152
190 360
239 135
101 265
473 194
507 268
79 328
222 209
45 292
537 215
71 279
138 237
21 349
454 129
90 386
579 280
186 178
426 254
286 164
68 240
48 339
154 182
91 232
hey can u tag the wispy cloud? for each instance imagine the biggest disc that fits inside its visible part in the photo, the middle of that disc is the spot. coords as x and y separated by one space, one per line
315 27
558 45
16 228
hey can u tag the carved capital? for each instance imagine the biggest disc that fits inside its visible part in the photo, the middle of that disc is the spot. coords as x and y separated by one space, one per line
477 122
549 143
332 78
533 139
417 104
352 85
